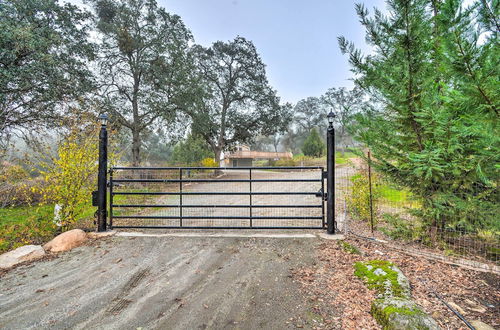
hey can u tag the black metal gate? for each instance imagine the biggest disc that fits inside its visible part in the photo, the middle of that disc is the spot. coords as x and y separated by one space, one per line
224 198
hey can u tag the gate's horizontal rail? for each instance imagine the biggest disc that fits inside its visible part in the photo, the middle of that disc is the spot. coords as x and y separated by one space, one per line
215 217
221 168
216 227
217 206
214 180
213 193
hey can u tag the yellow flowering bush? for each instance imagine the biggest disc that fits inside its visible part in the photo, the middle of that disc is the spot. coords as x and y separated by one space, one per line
358 200
70 176
209 162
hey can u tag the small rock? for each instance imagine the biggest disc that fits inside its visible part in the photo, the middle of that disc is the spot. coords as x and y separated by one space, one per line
473 306
66 241
436 315
21 254
458 308
481 325
478 309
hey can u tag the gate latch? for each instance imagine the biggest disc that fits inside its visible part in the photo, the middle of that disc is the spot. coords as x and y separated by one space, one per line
321 194
324 175
94 198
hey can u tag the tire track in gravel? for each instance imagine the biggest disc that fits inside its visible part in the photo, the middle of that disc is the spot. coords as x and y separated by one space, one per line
158 283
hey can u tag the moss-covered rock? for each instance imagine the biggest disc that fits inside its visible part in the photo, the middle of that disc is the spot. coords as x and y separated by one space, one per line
384 277
401 313
394 308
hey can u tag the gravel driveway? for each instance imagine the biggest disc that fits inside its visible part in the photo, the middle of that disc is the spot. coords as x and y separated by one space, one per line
163 283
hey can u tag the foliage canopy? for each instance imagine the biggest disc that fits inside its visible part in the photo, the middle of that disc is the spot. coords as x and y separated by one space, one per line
434 74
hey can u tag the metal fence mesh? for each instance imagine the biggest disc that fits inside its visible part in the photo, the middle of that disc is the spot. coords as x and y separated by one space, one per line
394 219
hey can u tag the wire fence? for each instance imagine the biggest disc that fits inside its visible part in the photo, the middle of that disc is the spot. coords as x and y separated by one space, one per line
370 205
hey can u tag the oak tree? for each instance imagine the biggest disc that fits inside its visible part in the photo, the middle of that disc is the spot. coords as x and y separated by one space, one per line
143 64
44 54
237 103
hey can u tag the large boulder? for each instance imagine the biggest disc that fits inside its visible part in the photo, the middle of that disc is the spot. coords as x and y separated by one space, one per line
21 254
66 241
394 309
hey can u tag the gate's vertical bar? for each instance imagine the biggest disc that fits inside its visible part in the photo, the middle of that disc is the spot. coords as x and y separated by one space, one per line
330 177
251 219
111 198
322 198
180 197
102 174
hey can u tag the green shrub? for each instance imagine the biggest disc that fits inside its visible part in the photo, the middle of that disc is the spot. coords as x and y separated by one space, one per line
191 151
358 201
398 228
17 187
313 145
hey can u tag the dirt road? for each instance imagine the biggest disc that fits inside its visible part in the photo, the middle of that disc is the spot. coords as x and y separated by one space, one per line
163 283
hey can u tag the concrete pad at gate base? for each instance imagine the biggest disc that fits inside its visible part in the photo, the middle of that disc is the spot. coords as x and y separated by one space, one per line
331 237
215 235
96 234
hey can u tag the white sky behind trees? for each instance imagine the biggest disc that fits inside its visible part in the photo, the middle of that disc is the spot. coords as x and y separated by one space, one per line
297 39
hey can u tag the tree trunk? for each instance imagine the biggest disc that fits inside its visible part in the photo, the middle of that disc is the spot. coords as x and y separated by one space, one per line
136 147
341 142
217 153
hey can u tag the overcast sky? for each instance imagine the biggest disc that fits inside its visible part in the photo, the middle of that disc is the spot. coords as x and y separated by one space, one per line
297 39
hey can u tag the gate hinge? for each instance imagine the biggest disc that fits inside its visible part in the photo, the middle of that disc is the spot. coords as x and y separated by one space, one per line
324 175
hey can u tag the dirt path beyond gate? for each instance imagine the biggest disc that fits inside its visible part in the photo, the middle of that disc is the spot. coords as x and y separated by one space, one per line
163 283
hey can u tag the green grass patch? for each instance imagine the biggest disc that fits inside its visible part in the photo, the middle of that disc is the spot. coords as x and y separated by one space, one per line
19 214
349 248
394 195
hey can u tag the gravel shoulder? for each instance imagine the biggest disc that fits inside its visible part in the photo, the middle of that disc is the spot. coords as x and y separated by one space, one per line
160 283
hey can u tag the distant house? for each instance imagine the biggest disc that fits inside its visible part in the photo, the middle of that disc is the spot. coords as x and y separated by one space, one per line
242 156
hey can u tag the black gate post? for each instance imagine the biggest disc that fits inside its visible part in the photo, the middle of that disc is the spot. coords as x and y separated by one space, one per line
102 174
330 176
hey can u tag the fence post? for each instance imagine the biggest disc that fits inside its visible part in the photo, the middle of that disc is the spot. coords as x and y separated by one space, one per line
102 174
330 176
370 186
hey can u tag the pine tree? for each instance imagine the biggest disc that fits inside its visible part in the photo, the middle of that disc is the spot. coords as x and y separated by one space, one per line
435 127
313 146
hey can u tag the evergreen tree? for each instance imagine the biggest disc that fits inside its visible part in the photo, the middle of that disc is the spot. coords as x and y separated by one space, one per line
191 151
435 130
313 145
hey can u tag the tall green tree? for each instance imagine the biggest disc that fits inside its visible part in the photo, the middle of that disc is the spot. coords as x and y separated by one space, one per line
144 64
44 54
313 145
434 73
309 113
237 103
344 104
